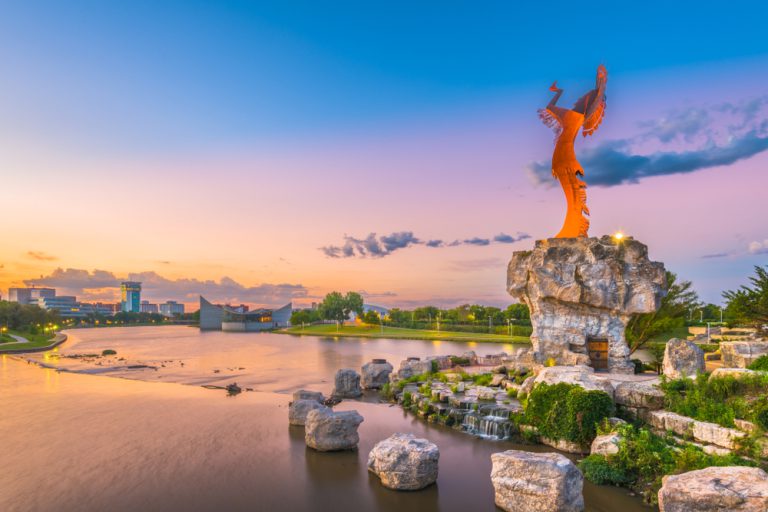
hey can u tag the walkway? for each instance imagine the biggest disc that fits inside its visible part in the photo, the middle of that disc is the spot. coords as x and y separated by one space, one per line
19 339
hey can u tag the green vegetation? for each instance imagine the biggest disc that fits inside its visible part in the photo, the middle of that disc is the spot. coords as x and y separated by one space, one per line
36 340
108 352
644 458
669 318
566 411
376 331
760 364
749 304
337 307
719 400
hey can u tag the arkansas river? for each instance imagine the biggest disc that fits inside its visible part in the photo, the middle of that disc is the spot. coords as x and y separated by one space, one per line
102 436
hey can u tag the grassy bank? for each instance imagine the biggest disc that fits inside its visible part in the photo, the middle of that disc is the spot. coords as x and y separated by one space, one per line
35 341
375 331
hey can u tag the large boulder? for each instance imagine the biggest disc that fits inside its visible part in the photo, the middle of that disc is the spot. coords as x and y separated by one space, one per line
536 482
682 358
715 489
326 430
606 444
740 354
582 289
579 375
305 394
299 409
413 366
404 462
347 384
376 373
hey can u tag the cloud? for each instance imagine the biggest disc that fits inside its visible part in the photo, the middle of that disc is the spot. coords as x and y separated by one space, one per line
378 247
376 295
95 284
475 264
717 136
758 247
41 256
715 255
503 238
477 241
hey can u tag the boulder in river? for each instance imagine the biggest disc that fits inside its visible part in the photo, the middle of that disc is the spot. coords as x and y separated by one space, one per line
347 384
536 482
326 430
682 358
305 394
376 373
607 444
715 489
404 462
299 409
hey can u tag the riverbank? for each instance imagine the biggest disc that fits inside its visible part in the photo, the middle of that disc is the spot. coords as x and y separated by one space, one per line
36 343
397 333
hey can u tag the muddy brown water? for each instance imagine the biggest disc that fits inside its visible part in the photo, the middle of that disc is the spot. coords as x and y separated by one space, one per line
78 442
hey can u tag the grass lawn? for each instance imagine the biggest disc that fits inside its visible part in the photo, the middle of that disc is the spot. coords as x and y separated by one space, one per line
374 331
35 341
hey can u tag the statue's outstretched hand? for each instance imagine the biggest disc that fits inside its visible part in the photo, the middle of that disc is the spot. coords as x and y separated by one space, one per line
554 87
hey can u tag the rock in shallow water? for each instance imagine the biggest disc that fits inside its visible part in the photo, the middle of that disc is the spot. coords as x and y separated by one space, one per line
327 430
347 384
715 489
404 462
305 394
376 373
536 482
299 409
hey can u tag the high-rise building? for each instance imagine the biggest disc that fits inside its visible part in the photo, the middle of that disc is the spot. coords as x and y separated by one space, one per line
171 308
147 307
30 295
130 297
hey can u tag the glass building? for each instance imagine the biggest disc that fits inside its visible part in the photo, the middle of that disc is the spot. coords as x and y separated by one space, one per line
130 297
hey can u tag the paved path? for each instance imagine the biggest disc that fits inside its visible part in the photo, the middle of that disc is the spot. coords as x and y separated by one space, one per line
19 339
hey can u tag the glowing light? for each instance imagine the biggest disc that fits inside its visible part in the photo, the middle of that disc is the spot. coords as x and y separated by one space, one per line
618 235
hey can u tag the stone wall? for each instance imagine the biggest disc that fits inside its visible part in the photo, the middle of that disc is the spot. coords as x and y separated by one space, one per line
585 288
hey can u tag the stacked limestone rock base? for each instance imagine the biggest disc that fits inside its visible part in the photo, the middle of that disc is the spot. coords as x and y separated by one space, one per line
585 288
347 384
404 462
326 430
536 482
303 402
715 489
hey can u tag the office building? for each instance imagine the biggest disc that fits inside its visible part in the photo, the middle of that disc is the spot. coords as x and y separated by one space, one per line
171 308
130 297
29 295
146 307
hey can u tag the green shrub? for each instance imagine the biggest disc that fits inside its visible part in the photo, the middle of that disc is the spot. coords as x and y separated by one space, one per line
386 391
639 366
566 411
434 366
761 415
460 361
407 399
760 364
482 379
599 471
108 352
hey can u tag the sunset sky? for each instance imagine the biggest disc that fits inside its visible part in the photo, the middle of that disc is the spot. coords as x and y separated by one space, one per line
263 152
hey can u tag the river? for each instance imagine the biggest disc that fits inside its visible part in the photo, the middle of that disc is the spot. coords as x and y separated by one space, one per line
155 440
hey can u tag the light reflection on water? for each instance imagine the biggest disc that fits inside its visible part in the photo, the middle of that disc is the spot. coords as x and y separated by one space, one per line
76 442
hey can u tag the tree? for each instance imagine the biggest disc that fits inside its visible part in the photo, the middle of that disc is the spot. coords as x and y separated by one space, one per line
749 304
675 305
518 312
336 306
371 317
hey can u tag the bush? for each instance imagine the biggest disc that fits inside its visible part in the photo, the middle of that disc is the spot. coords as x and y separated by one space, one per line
482 379
566 411
407 399
761 415
434 366
108 352
639 366
460 361
760 364
599 471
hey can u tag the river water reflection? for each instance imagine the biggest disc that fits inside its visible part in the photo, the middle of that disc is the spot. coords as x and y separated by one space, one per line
76 442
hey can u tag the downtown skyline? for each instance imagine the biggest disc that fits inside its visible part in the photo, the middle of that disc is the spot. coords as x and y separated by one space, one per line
260 155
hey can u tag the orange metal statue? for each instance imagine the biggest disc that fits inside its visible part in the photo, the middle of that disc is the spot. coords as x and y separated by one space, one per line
587 113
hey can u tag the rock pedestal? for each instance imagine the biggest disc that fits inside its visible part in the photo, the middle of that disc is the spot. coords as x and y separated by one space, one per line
585 289
740 354
376 373
682 358
404 462
536 482
299 409
326 430
347 384
715 489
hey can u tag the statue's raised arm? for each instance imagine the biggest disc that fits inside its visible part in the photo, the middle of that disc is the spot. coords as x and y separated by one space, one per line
586 115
